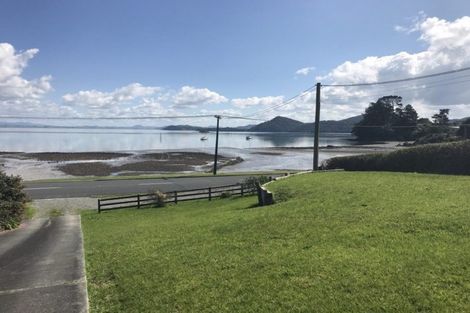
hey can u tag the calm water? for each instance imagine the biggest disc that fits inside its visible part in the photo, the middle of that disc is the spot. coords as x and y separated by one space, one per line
74 140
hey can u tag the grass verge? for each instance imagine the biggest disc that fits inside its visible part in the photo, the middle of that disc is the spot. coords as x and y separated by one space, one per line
29 211
338 242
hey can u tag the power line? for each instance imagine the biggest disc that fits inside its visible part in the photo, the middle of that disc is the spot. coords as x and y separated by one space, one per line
401 90
99 118
121 117
400 80
240 118
290 100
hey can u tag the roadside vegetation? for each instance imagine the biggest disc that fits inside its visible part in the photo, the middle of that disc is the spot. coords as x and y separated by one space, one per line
337 242
442 158
12 201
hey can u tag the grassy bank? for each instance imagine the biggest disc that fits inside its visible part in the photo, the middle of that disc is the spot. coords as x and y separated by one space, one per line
342 242
443 158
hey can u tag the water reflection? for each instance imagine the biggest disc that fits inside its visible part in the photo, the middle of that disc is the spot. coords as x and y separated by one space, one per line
72 140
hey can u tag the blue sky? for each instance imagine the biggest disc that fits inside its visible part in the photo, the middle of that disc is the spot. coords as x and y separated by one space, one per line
234 49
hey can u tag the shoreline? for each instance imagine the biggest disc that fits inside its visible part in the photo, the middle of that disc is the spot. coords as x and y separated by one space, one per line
56 165
47 165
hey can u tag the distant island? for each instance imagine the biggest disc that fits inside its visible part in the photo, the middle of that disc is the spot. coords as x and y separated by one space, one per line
282 124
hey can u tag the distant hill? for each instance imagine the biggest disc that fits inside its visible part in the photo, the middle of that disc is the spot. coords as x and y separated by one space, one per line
278 124
330 126
199 128
34 125
20 124
182 127
282 124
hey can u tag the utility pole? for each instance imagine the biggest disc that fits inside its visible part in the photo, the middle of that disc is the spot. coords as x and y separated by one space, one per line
216 144
317 129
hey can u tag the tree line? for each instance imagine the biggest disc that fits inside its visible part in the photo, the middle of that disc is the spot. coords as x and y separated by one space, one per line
389 119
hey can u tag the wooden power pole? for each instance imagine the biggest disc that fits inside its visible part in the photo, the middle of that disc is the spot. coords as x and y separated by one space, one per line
216 144
317 129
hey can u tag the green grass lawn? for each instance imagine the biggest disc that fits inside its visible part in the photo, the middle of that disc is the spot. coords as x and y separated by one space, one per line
342 242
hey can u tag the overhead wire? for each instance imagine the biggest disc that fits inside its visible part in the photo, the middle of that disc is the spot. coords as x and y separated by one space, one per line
122 117
399 80
265 110
395 91
290 100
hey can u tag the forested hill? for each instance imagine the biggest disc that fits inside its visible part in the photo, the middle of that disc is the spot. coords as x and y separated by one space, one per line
331 126
278 124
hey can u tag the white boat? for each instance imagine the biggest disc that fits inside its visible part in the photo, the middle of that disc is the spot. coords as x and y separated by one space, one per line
204 138
248 137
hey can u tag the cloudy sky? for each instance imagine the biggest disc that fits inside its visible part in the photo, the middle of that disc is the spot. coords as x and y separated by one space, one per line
138 58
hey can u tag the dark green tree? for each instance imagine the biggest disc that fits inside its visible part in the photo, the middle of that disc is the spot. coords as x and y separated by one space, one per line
437 131
387 119
376 123
441 118
405 121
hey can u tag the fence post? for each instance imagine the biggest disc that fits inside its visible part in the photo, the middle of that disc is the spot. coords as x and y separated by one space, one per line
210 193
138 201
99 205
241 190
176 197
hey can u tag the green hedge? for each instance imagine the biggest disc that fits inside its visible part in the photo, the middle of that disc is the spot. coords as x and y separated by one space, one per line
12 201
443 158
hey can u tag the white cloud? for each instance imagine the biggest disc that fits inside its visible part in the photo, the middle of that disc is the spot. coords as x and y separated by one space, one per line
414 24
305 71
138 100
447 48
191 97
149 106
95 99
14 89
257 101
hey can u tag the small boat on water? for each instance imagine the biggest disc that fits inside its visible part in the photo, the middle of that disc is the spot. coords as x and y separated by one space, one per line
204 138
248 137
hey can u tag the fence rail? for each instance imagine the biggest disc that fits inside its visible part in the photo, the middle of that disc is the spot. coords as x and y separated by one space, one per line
141 200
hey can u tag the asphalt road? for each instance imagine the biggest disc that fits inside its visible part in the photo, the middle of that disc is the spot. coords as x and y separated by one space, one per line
50 190
42 268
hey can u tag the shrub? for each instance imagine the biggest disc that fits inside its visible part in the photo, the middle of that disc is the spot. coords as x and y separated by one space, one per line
225 195
432 133
443 158
12 201
158 198
250 182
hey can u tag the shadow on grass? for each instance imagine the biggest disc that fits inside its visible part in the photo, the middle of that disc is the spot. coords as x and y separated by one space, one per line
252 206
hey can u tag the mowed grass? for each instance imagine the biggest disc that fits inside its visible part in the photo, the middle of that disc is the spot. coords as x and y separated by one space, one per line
342 242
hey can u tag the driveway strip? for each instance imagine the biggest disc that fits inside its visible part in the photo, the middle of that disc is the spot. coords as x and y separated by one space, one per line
42 267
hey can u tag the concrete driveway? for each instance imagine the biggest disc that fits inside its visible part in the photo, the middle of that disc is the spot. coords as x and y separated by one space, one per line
42 268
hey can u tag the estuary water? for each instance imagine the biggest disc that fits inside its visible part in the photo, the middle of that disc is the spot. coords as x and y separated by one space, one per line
86 140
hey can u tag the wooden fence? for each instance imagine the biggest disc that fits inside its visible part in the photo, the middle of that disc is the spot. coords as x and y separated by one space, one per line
141 200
